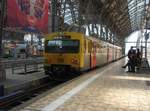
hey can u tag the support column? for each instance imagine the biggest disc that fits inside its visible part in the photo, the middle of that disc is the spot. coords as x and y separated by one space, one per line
89 29
54 14
111 37
96 27
106 32
80 21
101 31
92 29
2 70
146 39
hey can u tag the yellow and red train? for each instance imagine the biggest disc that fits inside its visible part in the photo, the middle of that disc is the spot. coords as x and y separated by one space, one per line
72 51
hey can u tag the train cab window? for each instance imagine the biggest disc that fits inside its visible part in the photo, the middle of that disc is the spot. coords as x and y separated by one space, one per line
62 46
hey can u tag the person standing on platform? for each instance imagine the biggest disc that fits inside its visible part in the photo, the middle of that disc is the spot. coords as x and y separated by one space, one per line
131 52
133 61
138 58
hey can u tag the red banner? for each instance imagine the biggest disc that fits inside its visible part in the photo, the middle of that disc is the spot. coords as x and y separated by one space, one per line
28 13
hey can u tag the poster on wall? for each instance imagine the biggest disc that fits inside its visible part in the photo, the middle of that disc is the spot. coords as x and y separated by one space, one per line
28 14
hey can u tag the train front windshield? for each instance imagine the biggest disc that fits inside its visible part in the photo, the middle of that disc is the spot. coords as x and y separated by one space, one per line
62 46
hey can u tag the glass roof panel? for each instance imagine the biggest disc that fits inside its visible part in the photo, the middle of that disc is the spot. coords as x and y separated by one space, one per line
136 11
69 11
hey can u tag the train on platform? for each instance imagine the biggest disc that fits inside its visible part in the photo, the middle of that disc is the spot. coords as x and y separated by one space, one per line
68 52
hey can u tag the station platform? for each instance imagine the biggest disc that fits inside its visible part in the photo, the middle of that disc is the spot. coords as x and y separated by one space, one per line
109 88
22 74
15 82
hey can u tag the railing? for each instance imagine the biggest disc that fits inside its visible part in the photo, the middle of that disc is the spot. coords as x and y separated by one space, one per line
28 65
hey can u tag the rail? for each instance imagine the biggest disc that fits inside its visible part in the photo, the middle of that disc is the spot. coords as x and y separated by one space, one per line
10 99
28 65
15 99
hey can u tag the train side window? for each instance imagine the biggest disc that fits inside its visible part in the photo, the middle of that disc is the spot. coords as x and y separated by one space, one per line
88 47
98 48
94 47
85 47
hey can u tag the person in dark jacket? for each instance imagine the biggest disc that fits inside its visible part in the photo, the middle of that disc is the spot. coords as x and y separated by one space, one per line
138 58
131 61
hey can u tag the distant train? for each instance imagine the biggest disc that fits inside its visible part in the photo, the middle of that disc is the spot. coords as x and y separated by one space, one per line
74 52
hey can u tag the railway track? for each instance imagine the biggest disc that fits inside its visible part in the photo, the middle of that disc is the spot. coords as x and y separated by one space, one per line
17 98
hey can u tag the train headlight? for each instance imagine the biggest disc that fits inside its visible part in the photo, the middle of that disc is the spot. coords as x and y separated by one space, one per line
75 61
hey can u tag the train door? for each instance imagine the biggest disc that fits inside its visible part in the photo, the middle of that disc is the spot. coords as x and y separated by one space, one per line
90 44
108 51
93 55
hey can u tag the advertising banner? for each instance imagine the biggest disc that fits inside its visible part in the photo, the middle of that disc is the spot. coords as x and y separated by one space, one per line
28 14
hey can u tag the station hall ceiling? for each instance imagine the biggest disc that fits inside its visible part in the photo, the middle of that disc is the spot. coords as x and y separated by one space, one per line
121 16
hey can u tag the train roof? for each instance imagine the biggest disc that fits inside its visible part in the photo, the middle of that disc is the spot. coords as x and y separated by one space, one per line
61 33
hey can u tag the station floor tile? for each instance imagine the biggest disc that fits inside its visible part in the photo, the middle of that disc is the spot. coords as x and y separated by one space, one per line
114 90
